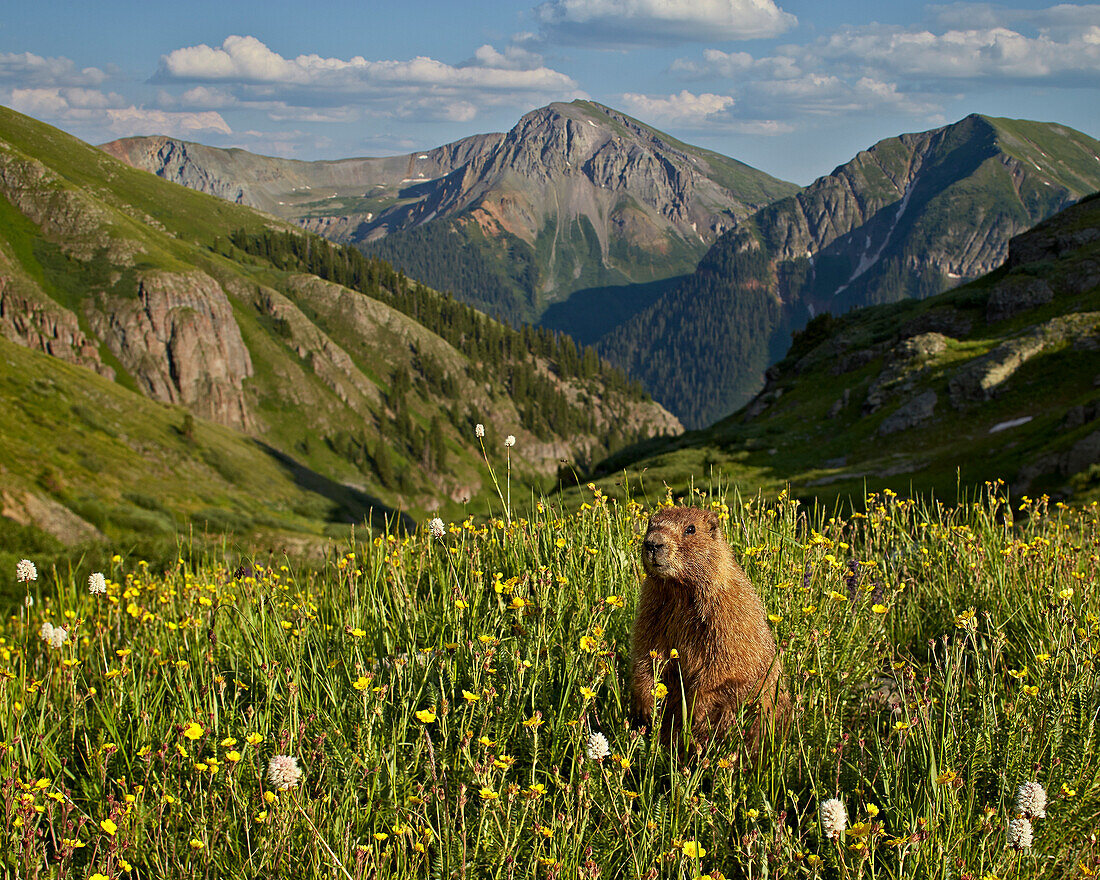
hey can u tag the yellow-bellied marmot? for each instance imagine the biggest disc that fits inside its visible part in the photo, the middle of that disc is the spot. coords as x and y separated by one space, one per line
702 623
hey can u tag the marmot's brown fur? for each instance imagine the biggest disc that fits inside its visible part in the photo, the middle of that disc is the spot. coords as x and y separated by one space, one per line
697 601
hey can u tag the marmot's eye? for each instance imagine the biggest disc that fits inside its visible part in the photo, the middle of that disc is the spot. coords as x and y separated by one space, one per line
690 530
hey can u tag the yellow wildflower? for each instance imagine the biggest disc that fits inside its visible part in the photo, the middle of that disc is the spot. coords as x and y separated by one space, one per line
193 730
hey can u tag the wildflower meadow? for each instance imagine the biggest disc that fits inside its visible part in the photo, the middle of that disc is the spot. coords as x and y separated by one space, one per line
454 703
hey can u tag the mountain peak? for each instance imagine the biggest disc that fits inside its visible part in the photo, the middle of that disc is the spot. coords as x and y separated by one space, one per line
575 195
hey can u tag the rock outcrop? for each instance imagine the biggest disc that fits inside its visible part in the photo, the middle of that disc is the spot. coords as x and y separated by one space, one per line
39 323
180 342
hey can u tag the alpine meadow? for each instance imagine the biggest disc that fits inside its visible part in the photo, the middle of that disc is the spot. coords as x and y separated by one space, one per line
358 363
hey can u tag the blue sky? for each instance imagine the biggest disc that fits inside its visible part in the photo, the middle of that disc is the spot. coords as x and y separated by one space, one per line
794 88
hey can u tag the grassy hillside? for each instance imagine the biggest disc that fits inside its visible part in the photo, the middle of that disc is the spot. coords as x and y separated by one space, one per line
91 463
433 701
341 364
993 379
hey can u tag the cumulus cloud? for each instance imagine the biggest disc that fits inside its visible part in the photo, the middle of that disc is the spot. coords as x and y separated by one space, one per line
244 73
705 112
817 94
28 70
684 108
620 23
246 60
976 53
909 70
514 57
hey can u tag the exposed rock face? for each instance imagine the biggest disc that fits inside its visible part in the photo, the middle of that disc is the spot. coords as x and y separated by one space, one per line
904 364
981 377
179 340
29 509
1082 455
592 193
1015 296
910 414
45 326
909 218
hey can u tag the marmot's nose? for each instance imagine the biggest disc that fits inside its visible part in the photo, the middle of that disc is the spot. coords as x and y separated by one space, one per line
651 546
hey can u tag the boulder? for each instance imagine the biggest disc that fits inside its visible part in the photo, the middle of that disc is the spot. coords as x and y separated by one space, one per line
910 414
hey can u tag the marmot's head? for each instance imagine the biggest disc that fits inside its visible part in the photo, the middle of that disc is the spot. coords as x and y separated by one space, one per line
684 544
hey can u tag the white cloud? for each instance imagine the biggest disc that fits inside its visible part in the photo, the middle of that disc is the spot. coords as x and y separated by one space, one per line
736 64
706 112
108 114
976 53
818 94
246 60
139 120
52 101
682 109
909 70
660 22
28 70
512 58
245 74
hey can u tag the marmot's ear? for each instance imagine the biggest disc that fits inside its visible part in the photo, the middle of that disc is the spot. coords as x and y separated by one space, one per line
712 519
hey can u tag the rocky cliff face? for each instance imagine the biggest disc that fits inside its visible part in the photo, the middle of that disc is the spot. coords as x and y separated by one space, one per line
33 321
180 342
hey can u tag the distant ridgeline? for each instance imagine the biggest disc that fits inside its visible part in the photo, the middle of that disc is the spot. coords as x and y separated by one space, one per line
498 353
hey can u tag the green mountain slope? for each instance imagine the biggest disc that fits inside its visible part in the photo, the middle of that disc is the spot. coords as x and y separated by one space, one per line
910 217
575 196
995 379
367 380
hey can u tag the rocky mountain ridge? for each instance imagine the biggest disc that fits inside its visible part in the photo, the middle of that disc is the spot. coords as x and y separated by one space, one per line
574 195
910 217
999 378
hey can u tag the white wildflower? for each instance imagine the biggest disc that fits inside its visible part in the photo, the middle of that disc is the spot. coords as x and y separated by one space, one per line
97 583
479 430
834 818
1031 800
437 528
597 748
1020 834
283 772
510 440
55 636
25 571
28 600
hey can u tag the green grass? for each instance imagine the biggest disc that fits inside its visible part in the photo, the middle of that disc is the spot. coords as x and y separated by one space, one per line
438 695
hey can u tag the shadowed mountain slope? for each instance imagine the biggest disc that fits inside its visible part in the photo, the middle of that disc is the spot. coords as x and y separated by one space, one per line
909 218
